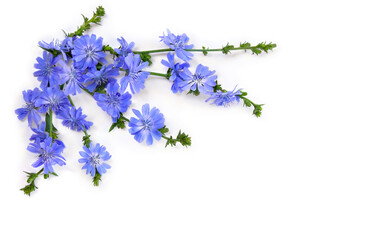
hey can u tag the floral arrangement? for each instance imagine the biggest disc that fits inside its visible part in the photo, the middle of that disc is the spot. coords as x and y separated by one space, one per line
78 64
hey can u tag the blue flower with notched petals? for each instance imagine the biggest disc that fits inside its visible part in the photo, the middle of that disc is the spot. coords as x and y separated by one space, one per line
73 78
40 134
74 119
94 159
95 78
54 98
221 98
136 77
62 46
48 72
147 125
30 110
113 102
203 80
88 51
175 69
123 51
49 154
178 43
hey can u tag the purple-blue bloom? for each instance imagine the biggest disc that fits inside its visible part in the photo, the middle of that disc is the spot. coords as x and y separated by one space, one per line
62 46
30 110
221 98
49 154
203 79
95 78
176 70
136 77
54 98
48 72
113 102
178 43
74 119
147 125
88 51
94 159
40 134
73 78
123 51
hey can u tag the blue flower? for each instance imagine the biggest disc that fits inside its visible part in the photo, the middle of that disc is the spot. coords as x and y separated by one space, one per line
88 51
123 51
94 159
54 98
97 78
125 48
40 134
203 80
221 98
49 154
113 102
73 79
65 46
48 72
178 43
176 70
136 77
74 119
147 125
30 110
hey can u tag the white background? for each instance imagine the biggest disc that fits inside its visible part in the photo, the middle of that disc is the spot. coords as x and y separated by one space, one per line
307 169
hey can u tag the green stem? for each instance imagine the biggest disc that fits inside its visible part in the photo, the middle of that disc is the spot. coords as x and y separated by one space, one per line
85 89
51 123
155 51
245 46
71 102
158 74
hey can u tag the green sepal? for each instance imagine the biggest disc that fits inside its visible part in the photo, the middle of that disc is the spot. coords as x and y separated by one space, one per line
86 140
196 92
96 179
205 52
227 48
164 130
29 189
107 48
145 57
120 123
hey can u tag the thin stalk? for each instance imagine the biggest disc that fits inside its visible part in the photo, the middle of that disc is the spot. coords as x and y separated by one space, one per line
158 74
51 123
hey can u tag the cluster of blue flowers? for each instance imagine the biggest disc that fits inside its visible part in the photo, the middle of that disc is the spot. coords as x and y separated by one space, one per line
202 81
82 63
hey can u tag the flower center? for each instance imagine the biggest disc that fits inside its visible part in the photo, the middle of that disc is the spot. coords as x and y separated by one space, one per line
147 123
45 156
90 51
114 99
198 79
95 159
